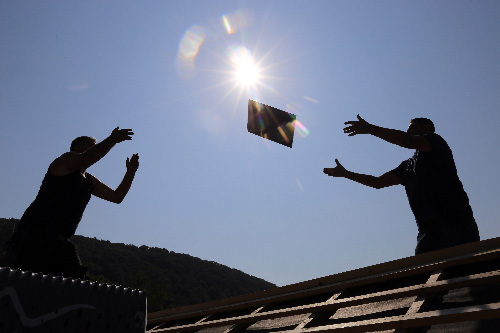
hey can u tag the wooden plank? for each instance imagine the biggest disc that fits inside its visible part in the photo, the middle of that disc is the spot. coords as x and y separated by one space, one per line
424 298
206 318
456 315
318 316
243 326
421 301
466 281
178 314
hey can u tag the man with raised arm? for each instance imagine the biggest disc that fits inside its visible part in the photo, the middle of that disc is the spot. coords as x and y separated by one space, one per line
435 193
40 241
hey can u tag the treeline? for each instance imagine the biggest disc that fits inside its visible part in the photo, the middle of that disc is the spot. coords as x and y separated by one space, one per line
170 279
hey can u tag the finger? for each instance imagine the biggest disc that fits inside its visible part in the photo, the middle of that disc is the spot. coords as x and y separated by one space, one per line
359 117
349 130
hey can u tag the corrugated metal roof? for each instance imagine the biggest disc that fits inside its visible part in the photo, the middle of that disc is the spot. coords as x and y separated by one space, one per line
44 303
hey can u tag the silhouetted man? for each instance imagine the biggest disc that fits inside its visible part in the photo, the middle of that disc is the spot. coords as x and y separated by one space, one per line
436 195
40 241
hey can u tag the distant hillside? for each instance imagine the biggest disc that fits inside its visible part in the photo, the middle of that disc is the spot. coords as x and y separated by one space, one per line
171 279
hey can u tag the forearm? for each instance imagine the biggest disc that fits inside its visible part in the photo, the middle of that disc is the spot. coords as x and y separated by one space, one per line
393 136
122 189
94 154
363 179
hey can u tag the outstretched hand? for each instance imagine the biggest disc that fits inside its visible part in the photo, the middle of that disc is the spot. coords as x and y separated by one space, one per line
359 126
119 135
133 163
338 171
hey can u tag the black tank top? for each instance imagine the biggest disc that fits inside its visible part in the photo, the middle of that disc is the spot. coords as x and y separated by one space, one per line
59 205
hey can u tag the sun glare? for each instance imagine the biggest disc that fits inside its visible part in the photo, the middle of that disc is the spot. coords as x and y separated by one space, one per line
246 71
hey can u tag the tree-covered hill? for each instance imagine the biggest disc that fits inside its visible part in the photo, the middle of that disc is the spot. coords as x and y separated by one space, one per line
171 279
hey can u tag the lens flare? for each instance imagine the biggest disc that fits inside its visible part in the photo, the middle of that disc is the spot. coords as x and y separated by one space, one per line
296 108
310 99
236 21
189 47
283 134
293 107
261 122
299 184
227 25
301 129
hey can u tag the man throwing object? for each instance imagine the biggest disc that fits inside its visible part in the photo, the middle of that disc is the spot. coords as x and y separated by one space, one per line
41 239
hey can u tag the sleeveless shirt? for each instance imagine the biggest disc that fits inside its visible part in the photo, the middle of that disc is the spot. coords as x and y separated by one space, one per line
59 205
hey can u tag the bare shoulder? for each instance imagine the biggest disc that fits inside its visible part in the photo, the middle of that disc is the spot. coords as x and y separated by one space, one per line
94 179
63 165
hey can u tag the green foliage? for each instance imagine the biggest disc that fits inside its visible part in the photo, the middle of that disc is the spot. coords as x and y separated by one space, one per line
170 279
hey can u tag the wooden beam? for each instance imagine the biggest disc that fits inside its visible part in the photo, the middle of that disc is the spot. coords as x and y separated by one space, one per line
463 314
243 326
318 317
424 298
421 301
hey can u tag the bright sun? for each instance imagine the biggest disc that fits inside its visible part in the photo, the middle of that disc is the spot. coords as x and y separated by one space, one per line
246 71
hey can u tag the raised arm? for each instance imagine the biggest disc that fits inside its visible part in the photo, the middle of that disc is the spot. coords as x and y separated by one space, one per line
385 180
397 137
81 160
103 191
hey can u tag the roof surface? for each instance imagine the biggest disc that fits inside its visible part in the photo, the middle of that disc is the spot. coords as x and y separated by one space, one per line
450 290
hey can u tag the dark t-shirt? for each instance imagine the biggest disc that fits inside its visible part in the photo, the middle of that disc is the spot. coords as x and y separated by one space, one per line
59 205
431 182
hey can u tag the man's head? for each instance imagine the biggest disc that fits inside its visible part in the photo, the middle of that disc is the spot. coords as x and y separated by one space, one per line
421 126
82 144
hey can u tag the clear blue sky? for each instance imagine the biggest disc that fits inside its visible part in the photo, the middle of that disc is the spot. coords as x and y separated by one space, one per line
208 188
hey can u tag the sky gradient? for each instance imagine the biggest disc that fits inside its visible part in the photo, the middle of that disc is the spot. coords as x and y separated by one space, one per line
205 186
